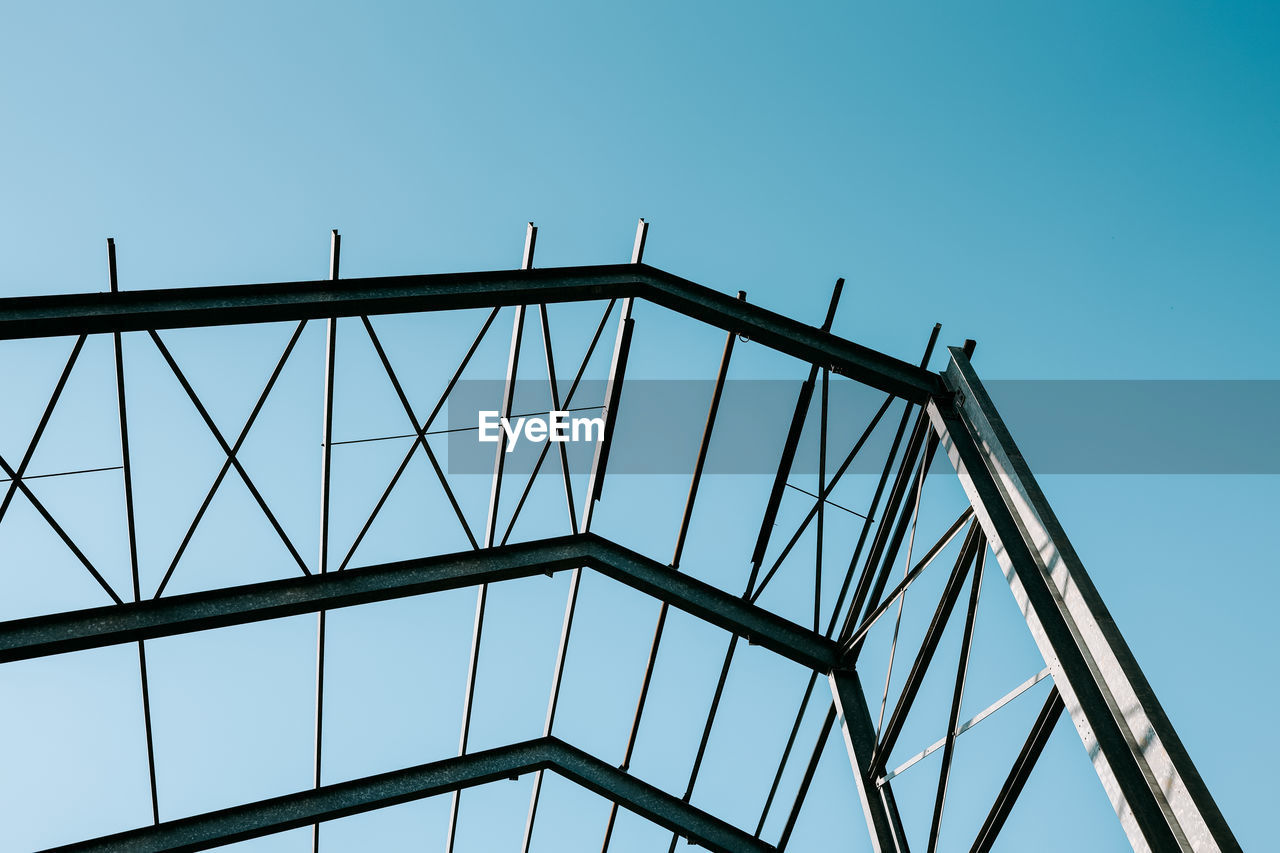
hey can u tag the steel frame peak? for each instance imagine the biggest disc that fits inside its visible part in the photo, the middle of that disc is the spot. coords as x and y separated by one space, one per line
1159 797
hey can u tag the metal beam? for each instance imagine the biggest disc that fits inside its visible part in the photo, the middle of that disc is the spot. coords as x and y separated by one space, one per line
793 815
1157 792
924 656
38 636
265 817
47 316
1022 767
789 446
878 804
957 696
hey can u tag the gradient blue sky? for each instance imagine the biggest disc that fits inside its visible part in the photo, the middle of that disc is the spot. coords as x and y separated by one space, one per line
1090 190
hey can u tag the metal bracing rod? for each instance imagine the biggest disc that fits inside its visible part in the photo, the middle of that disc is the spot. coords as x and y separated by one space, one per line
404 463
612 401
786 753
122 412
733 641
822 487
30 477
1021 770
704 445
508 397
848 578
805 781
929 645
695 481
57 528
48 316
321 622
473 662
16 482
873 601
889 535
545 325
879 807
613 392
420 431
645 682
38 636
133 542
490 529
869 622
226 448
568 400
854 648
957 696
789 446
879 491
265 817
869 518
326 475
711 719
572 601
235 448
642 234
1158 794
326 421
146 726
757 591
561 652
829 503
965 726
851 617
905 464
58 387
131 529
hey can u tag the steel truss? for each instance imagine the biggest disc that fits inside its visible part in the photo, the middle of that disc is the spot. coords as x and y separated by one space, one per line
1160 799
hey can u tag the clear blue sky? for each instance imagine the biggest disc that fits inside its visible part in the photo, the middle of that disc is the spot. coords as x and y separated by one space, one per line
1090 191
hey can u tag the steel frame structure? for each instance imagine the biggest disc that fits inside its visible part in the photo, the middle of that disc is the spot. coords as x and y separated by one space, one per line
1158 796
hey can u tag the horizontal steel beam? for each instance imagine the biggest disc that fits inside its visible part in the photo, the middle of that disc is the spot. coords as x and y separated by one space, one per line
47 316
76 630
239 823
1158 794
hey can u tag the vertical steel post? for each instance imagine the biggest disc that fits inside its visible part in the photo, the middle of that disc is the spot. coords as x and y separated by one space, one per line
545 323
695 481
131 527
326 458
490 530
613 388
572 602
789 446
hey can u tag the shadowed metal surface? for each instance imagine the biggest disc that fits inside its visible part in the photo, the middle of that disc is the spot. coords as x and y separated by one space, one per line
330 802
1155 789
47 316
22 639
